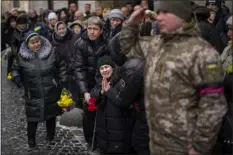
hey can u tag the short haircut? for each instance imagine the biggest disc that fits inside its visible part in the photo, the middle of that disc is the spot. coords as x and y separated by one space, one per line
88 4
95 20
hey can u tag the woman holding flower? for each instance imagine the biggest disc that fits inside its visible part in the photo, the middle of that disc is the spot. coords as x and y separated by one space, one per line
114 120
41 73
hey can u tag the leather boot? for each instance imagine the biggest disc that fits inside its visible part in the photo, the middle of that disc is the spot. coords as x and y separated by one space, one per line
32 143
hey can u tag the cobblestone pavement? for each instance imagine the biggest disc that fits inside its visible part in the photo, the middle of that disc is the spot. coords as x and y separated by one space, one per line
68 141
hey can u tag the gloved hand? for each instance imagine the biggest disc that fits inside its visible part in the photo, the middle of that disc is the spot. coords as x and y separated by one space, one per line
17 81
6 53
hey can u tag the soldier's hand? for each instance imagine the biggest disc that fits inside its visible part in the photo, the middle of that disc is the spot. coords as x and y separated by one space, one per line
137 16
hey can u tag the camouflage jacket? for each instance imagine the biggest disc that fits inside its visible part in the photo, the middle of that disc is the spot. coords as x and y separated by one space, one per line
227 58
184 97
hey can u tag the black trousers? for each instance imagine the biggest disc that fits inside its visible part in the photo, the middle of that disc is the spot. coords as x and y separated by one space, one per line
88 124
10 63
50 127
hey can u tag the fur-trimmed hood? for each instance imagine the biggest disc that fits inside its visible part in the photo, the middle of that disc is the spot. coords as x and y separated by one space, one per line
43 53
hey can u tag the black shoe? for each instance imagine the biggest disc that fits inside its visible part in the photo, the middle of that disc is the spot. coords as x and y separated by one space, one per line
49 138
31 143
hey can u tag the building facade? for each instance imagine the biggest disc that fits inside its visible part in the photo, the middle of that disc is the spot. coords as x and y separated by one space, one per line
7 5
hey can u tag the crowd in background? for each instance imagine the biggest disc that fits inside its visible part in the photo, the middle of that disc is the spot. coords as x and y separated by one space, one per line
81 51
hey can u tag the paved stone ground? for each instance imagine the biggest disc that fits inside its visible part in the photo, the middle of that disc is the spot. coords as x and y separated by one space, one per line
68 141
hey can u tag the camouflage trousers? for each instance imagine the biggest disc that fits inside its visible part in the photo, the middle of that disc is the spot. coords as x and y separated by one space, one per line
158 150
165 145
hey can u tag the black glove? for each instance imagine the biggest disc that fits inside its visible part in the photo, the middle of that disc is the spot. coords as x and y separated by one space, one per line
17 81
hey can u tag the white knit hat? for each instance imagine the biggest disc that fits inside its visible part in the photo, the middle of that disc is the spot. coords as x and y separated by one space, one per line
52 15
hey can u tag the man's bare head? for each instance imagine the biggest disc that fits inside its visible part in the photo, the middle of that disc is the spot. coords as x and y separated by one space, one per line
73 7
78 15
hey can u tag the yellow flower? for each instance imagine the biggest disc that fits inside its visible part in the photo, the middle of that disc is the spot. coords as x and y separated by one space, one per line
65 100
229 69
9 76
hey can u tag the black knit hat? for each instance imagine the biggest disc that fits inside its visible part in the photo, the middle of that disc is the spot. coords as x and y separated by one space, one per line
11 19
181 9
216 2
23 19
105 60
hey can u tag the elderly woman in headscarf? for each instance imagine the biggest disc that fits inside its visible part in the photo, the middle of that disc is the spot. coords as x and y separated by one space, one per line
42 74
63 42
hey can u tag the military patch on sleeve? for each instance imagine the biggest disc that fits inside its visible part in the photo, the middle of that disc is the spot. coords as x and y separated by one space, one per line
211 65
213 72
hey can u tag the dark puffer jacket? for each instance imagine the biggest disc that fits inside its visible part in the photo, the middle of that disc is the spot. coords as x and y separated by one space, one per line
42 75
115 50
17 39
84 61
113 31
64 46
9 30
47 32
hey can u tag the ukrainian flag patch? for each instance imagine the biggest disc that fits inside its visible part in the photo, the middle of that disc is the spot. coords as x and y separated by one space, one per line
212 65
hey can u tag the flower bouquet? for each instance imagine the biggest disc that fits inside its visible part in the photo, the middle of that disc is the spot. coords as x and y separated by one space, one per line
92 104
9 76
230 69
65 101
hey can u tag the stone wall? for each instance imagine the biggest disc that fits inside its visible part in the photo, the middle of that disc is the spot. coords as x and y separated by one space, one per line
60 4
37 5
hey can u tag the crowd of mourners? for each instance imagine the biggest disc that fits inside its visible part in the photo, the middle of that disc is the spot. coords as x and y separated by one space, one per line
88 54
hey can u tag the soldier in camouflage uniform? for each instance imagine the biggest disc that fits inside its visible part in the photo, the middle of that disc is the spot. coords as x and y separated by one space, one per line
184 96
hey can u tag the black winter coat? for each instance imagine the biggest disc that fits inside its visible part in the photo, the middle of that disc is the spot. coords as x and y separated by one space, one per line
42 75
3 39
47 32
113 119
8 35
140 139
113 31
115 50
64 46
212 35
208 31
84 61
17 39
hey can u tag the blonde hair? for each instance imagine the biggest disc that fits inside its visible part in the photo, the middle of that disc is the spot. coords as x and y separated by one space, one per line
36 37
